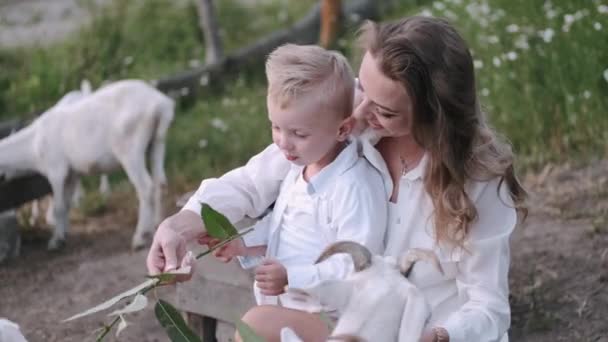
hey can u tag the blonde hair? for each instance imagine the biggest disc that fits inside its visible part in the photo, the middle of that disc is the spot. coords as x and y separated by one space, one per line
432 62
310 71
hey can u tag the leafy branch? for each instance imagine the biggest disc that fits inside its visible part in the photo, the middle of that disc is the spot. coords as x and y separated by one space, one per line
217 226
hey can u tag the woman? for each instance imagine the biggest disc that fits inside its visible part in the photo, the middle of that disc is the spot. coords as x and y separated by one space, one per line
454 187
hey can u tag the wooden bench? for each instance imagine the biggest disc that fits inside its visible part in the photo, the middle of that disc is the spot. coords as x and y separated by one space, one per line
217 295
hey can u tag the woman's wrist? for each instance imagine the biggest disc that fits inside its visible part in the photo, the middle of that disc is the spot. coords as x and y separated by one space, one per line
440 334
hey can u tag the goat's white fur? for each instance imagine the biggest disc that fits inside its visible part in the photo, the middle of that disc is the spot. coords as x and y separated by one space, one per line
110 128
375 304
104 186
10 332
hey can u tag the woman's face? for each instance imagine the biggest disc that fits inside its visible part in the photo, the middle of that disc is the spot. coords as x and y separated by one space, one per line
385 104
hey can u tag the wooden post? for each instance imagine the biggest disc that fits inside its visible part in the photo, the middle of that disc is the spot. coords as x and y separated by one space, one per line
214 51
330 22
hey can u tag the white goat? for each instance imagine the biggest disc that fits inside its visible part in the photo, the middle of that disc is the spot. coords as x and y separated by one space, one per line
376 302
112 127
104 185
10 332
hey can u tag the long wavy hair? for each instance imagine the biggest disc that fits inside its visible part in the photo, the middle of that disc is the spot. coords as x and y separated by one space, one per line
432 61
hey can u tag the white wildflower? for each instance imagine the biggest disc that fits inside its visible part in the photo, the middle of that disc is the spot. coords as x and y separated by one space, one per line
485 92
570 98
194 63
602 9
478 64
512 28
606 75
228 101
219 124
511 55
450 15
354 17
440 6
426 13
282 16
128 60
547 34
204 81
587 94
203 143
496 61
551 14
521 42
568 19
484 8
184 91
597 26
493 39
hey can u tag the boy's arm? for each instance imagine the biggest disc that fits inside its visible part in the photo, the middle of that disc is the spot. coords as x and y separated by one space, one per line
360 215
245 191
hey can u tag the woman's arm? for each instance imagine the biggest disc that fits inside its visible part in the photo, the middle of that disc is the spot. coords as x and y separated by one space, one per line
483 269
245 191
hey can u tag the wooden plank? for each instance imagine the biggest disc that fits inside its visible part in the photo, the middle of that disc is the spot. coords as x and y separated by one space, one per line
217 290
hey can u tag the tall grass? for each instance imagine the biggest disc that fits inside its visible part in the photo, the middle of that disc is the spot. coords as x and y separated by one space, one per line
542 69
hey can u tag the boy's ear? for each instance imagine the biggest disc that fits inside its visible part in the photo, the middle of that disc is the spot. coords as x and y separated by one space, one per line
346 127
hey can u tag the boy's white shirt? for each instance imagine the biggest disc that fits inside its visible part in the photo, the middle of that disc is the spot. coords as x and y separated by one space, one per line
344 208
471 301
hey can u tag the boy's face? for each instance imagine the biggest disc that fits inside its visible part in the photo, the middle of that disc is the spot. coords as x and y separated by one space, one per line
304 132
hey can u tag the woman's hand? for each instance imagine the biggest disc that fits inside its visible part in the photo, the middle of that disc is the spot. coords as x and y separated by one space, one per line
271 277
169 245
435 334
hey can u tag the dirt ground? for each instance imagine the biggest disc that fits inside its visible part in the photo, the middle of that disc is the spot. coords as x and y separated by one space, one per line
558 274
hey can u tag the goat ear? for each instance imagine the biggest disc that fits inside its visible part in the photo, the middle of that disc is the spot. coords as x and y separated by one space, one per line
416 312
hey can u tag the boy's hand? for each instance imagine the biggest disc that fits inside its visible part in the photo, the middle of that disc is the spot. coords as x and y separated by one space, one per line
271 277
225 253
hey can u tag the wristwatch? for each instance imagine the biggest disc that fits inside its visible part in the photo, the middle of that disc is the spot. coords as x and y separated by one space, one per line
441 335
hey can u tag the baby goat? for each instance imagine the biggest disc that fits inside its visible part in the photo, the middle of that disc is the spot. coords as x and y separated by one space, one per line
376 302
112 127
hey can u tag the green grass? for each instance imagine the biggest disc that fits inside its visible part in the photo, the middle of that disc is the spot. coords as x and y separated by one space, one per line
546 92
550 100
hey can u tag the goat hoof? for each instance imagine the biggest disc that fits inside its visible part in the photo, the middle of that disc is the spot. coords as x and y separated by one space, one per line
56 244
140 243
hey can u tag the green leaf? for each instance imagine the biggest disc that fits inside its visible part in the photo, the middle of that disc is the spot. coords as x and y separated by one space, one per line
247 334
225 242
169 277
217 225
327 320
172 321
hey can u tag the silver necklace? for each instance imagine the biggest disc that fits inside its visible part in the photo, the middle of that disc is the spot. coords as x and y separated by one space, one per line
404 166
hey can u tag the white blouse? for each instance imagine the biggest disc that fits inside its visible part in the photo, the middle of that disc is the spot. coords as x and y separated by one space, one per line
470 299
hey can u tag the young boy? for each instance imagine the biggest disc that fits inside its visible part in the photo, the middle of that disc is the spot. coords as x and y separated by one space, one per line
331 193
